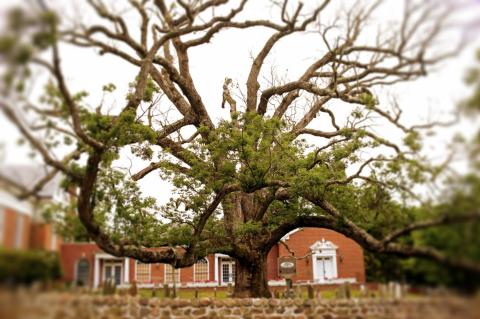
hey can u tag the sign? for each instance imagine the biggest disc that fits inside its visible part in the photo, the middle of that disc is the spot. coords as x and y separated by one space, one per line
287 266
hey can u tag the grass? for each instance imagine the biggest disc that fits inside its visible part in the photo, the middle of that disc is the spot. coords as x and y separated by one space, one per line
185 294
222 294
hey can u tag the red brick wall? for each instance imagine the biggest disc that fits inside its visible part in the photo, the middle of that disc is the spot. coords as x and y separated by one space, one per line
186 274
26 231
131 270
272 258
211 268
41 236
350 261
10 229
71 253
10 226
158 273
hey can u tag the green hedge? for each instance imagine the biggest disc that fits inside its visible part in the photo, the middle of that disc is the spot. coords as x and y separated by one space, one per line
26 267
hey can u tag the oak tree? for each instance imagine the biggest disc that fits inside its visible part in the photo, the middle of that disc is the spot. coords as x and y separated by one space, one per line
295 151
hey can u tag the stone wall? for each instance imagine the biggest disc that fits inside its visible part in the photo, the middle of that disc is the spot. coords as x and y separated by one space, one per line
70 306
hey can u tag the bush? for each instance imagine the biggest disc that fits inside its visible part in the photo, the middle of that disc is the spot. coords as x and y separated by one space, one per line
26 267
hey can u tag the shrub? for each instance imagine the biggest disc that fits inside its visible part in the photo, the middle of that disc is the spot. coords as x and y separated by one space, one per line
26 267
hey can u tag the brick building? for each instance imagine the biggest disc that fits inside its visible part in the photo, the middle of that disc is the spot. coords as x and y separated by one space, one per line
323 257
22 225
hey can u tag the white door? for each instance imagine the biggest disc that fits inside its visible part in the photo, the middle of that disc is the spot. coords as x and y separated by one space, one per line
228 272
113 271
325 268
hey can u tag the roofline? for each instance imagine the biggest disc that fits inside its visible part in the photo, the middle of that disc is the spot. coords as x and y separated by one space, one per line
8 201
287 235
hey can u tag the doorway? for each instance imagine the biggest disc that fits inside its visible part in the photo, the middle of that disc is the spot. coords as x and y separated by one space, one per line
325 268
227 271
112 271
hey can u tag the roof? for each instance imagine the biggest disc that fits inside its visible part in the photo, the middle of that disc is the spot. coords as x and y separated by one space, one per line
287 236
27 176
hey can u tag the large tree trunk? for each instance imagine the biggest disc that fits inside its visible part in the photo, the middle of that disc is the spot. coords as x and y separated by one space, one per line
248 249
251 278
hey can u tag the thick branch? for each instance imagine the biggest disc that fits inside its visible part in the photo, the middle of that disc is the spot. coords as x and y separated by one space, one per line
367 241
444 220
47 158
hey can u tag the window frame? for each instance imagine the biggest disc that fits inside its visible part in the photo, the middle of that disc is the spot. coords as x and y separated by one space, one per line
165 267
195 270
149 272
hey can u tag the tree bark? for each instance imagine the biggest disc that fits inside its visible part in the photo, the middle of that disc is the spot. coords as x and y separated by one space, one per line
251 278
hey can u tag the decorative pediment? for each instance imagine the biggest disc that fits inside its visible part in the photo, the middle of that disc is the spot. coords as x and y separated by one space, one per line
323 245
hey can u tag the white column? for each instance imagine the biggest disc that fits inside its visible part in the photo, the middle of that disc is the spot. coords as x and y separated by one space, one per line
96 272
334 264
215 258
314 267
127 271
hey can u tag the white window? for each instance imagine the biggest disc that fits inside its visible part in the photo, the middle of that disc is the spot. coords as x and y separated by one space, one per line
2 225
228 270
201 270
171 274
19 231
142 272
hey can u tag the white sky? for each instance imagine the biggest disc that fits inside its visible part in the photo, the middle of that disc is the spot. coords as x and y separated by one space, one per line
229 55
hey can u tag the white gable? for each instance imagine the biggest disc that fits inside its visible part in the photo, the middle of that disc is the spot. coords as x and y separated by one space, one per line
323 245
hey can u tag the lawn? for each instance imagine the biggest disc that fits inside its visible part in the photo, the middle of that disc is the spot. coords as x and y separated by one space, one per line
222 294
185 293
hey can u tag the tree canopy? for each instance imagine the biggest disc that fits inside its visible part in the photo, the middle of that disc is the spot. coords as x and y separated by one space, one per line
294 152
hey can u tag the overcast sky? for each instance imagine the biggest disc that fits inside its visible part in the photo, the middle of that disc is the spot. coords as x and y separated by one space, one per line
229 55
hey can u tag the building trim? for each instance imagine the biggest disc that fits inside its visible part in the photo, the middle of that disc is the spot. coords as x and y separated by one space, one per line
96 274
290 233
335 281
126 271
